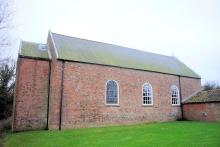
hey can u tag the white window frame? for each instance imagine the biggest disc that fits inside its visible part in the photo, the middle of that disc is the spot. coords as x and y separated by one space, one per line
178 93
152 95
117 104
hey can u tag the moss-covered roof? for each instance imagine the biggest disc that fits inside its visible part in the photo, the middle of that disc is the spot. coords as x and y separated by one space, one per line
205 96
31 49
75 49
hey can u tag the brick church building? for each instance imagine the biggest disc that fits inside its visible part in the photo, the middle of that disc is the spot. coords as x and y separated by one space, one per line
71 82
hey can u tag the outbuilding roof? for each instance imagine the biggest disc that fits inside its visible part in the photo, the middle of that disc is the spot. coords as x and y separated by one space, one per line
205 96
31 49
82 50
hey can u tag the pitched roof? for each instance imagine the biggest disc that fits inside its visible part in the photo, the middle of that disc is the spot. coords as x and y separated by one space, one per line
205 96
81 50
31 49
75 49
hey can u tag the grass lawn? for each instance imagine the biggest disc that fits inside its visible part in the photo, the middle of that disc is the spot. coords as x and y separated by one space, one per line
182 133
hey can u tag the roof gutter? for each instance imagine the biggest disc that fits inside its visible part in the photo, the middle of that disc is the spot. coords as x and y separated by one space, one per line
126 68
34 58
201 102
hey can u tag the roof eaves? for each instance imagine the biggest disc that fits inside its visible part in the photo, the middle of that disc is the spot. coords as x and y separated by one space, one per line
35 58
197 102
62 59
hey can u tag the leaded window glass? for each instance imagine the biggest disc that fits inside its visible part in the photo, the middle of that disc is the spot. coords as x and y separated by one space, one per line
112 92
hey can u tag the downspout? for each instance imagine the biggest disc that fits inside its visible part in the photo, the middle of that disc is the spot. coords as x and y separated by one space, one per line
180 91
61 97
48 99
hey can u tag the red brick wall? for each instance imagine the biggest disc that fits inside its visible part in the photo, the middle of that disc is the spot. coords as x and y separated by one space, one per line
189 86
31 99
55 88
55 95
83 103
84 96
202 111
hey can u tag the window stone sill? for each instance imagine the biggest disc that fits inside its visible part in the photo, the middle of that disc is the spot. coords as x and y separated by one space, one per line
112 105
147 105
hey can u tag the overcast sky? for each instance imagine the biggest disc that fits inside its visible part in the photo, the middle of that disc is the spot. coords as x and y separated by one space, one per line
188 29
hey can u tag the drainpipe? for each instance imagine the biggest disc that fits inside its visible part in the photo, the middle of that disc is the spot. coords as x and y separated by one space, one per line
48 99
180 92
61 97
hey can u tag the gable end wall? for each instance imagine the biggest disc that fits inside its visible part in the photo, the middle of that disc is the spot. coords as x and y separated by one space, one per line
31 98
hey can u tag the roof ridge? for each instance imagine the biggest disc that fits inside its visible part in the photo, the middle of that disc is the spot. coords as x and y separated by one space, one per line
112 45
211 90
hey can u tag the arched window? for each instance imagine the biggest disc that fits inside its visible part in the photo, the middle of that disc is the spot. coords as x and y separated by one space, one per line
112 93
175 97
147 94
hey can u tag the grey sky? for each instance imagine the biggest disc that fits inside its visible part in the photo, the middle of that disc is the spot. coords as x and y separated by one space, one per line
190 28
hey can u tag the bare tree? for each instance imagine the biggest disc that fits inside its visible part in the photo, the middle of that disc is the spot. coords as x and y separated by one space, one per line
5 20
5 26
7 65
211 85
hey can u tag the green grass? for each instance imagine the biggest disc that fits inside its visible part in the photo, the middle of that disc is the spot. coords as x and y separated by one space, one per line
182 133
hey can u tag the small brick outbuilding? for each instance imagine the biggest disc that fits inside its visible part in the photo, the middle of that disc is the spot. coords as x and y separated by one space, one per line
204 106
70 82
